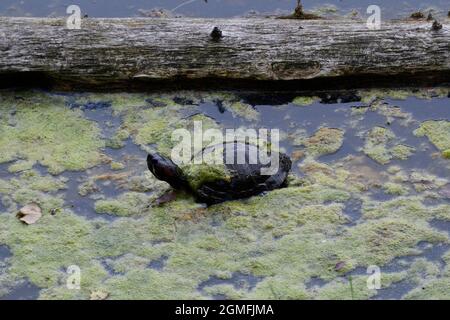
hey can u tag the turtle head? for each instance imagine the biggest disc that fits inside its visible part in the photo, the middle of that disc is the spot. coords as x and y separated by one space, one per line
164 169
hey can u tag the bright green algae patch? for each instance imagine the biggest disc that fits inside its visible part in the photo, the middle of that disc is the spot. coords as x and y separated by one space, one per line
283 240
304 101
380 146
325 141
439 134
197 175
41 129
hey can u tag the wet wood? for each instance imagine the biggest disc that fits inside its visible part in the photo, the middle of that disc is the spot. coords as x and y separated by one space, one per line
115 52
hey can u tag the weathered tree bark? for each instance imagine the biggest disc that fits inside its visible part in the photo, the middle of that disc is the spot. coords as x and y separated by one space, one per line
122 52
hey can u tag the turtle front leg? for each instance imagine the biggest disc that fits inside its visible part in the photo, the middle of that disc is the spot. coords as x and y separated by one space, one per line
166 197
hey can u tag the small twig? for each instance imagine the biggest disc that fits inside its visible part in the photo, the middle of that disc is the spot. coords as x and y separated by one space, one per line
183 4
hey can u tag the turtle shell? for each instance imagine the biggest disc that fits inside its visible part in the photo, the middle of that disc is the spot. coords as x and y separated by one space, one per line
245 175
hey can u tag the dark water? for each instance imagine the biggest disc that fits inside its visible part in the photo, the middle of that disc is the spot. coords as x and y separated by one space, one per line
238 280
213 8
25 291
4 252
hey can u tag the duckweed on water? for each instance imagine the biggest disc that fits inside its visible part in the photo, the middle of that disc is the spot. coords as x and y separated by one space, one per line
446 154
395 189
304 101
371 95
439 134
379 146
127 204
436 283
175 250
155 126
66 140
325 141
244 110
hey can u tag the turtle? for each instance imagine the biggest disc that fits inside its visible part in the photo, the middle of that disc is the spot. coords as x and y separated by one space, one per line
228 181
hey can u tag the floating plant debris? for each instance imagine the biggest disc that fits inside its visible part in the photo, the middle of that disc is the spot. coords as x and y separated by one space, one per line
30 214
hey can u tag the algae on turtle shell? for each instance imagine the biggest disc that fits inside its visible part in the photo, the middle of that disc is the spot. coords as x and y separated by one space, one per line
197 175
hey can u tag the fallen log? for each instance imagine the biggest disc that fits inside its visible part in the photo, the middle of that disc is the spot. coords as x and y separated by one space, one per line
118 53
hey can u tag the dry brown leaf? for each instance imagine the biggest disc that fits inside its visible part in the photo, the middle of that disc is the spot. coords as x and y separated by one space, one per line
30 214
339 266
99 295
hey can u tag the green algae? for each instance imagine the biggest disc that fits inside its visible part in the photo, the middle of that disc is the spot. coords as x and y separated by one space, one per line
402 152
34 181
375 146
432 282
446 154
394 189
312 236
151 284
20 165
371 95
117 166
423 181
41 250
283 239
154 126
380 241
127 204
324 141
243 110
341 289
380 146
304 101
30 187
47 132
438 132
410 207
128 262
437 289
118 140
199 174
